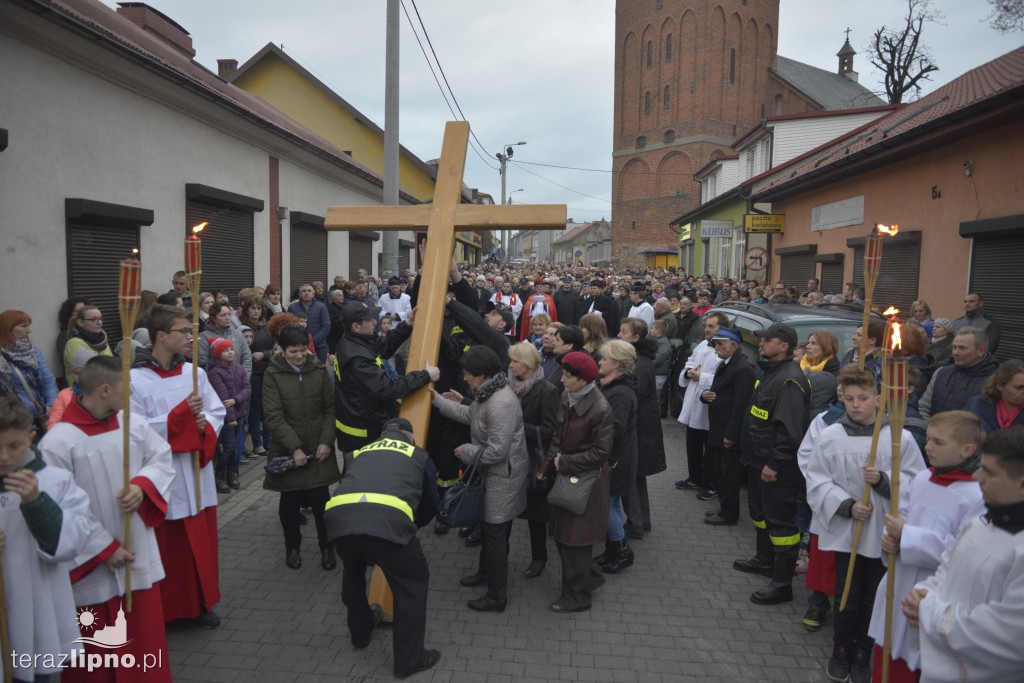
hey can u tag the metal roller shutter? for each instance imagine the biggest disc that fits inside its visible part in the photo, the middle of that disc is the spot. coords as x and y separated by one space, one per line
899 276
227 247
797 269
360 255
308 255
94 256
831 278
996 274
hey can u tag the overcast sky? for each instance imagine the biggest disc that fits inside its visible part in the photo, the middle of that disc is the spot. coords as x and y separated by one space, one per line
540 71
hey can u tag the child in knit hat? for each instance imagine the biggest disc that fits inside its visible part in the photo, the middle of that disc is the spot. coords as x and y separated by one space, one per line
232 386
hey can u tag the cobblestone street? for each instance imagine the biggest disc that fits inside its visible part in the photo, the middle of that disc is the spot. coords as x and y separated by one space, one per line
681 613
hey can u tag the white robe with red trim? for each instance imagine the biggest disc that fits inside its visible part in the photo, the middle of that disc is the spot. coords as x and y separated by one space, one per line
160 397
94 457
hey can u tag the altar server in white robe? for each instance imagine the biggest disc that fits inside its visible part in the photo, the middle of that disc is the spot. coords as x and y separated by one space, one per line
970 615
44 524
934 507
88 442
162 392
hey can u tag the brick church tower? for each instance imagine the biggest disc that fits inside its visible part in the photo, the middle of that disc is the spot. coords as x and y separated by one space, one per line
690 77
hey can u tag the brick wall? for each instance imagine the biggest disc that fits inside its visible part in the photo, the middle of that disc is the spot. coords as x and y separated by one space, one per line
716 72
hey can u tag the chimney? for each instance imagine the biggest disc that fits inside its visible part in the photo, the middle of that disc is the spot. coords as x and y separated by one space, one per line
158 25
845 54
226 68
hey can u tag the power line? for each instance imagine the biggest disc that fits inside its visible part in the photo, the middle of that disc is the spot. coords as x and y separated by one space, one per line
568 168
584 194
479 147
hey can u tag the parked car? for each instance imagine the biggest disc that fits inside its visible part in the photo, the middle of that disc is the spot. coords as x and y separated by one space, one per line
842 321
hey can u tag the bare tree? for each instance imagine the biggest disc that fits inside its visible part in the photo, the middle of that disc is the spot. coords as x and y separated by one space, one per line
899 54
1007 15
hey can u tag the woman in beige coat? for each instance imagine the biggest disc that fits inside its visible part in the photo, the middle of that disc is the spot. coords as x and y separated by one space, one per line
498 446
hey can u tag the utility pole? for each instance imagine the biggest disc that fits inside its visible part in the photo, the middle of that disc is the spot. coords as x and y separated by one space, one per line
391 148
503 160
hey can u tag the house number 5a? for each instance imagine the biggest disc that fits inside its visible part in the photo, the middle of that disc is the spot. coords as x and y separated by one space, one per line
936 193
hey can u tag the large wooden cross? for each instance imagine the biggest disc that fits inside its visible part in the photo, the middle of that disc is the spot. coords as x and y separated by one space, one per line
442 218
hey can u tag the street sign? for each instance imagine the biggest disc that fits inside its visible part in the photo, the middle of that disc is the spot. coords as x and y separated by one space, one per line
756 259
579 253
759 222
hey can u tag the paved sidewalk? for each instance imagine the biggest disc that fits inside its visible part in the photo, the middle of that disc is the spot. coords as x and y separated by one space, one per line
681 613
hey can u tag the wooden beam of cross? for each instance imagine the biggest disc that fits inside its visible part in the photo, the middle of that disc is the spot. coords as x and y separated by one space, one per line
442 218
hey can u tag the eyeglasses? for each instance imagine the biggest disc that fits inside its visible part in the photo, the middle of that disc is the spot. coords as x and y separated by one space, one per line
187 331
93 320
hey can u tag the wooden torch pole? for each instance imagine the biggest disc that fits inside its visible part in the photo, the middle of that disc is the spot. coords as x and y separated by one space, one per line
128 303
194 274
897 388
5 633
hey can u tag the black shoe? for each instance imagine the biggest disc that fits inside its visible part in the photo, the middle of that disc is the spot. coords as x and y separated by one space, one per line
707 494
562 608
634 534
377 616
465 531
440 528
534 570
428 660
711 513
222 484
303 519
838 668
487 604
647 528
327 558
207 619
477 579
754 566
687 485
622 559
474 539
292 558
860 667
772 594
717 520
233 479
609 552
814 617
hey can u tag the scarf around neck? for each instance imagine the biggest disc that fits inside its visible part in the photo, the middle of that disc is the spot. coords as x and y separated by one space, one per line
487 389
577 396
1005 414
806 365
97 340
22 354
521 387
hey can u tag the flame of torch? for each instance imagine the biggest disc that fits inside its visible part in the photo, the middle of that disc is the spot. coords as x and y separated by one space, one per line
199 228
891 311
886 230
897 337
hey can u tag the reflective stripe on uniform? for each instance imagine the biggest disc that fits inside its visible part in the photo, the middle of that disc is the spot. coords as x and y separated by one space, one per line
759 523
376 498
759 413
387 445
345 429
446 483
785 540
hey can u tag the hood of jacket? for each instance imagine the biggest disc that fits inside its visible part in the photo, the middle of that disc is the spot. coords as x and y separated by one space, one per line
646 347
627 381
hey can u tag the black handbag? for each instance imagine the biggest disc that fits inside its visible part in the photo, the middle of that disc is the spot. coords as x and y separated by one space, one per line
572 491
535 487
463 504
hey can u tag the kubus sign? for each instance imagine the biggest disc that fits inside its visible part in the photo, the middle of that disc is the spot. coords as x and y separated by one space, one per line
763 222
710 229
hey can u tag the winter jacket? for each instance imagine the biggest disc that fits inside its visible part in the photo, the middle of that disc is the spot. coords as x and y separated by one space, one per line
365 396
953 386
298 408
229 381
540 404
778 415
478 331
942 350
986 412
46 393
650 443
925 365
263 343
621 396
733 385
567 303
337 326
584 436
318 324
663 355
498 445
243 356
982 321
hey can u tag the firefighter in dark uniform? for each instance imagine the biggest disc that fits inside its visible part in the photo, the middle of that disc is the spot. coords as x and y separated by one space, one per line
776 424
364 395
388 490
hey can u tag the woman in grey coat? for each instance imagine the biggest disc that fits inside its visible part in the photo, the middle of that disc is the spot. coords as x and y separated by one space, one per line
495 421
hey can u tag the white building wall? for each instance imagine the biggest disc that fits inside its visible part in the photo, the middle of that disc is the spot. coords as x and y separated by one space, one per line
793 138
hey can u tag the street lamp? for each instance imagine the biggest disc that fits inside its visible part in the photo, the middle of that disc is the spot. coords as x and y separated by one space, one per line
503 159
512 193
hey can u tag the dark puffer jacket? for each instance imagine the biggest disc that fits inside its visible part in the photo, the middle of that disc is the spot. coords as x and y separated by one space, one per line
953 386
650 443
298 408
229 381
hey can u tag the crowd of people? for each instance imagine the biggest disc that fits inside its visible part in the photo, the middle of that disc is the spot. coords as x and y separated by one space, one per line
551 384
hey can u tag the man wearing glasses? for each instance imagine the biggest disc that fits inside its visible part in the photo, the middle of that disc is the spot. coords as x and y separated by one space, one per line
161 382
